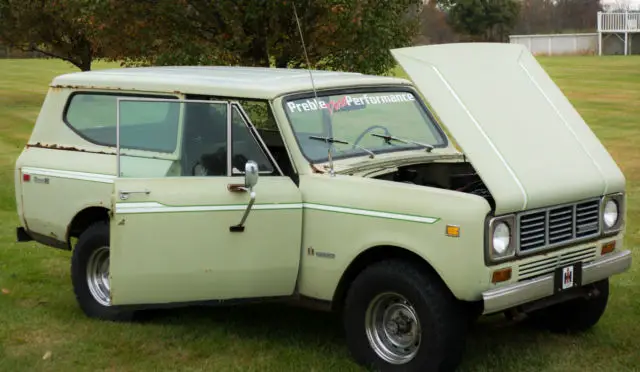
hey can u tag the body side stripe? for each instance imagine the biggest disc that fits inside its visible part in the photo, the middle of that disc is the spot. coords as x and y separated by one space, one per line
153 207
94 177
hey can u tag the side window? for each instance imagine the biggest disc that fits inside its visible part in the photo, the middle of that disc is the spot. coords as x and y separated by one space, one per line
94 117
260 115
204 141
245 147
201 140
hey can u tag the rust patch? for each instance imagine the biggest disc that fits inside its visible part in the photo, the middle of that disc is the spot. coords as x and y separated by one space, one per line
65 148
315 169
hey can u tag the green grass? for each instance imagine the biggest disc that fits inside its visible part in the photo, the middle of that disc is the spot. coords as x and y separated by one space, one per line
38 313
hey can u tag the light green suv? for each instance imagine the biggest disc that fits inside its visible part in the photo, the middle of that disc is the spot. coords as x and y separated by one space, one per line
180 185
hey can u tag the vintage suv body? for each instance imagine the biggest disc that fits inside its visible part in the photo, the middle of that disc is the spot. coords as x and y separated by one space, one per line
217 184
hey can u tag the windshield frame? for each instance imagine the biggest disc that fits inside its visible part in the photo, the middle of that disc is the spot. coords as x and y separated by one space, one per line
366 89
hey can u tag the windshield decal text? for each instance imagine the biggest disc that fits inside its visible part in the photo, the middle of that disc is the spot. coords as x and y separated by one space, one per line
349 101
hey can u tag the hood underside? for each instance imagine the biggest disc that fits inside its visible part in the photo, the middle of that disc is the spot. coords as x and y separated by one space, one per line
522 135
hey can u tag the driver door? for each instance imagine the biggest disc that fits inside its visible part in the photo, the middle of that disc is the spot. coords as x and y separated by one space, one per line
179 200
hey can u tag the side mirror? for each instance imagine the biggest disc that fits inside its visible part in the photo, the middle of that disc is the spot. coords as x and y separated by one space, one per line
250 181
250 174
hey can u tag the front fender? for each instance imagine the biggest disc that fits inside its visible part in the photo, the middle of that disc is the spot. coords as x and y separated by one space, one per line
345 216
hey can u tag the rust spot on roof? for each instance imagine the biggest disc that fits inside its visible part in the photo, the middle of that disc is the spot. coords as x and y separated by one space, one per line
65 148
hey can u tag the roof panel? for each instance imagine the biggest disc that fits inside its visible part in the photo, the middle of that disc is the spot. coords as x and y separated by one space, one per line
256 82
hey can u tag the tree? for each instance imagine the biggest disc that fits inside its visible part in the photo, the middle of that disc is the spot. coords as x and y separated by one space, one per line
434 28
56 28
485 20
557 16
350 35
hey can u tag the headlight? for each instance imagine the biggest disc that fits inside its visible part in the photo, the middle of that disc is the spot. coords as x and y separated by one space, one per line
612 212
501 238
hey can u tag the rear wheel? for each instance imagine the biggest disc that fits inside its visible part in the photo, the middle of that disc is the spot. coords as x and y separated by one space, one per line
90 274
397 317
576 315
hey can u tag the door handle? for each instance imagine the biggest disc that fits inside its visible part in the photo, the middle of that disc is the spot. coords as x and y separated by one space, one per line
124 195
237 187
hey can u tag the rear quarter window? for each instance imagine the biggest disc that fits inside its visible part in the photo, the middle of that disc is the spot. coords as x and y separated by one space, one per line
152 126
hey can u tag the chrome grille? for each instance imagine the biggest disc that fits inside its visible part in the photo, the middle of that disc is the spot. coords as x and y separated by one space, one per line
557 225
533 230
587 218
560 224
548 264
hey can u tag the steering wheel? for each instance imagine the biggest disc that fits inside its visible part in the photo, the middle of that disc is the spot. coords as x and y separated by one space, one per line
386 132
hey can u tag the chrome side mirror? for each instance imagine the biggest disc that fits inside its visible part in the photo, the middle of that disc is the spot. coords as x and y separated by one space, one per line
250 174
250 181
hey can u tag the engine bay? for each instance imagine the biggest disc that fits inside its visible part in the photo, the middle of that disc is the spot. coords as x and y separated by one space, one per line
457 176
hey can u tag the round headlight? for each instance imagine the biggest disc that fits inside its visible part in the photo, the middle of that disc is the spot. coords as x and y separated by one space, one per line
501 238
610 214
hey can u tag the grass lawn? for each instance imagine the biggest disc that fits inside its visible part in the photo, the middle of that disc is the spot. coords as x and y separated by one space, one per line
42 328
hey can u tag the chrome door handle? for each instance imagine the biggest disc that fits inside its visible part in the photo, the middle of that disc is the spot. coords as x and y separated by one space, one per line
124 195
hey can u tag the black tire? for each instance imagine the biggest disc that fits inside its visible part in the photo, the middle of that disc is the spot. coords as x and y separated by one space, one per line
443 321
576 315
93 238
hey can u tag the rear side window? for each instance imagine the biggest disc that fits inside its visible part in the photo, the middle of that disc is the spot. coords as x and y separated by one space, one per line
152 126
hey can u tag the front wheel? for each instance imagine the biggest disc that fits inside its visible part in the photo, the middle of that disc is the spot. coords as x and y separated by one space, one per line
90 275
397 317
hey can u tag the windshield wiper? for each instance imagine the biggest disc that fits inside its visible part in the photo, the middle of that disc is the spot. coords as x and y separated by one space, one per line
335 140
389 138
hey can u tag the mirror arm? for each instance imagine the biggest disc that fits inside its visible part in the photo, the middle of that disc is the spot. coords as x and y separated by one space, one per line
240 227
250 179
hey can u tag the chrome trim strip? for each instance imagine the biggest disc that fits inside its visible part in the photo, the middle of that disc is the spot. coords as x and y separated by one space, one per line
94 177
516 294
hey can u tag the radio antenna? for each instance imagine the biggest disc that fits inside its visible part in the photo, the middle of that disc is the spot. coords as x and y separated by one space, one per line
313 86
304 48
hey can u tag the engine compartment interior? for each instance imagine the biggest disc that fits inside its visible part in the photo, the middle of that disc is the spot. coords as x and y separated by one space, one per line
457 176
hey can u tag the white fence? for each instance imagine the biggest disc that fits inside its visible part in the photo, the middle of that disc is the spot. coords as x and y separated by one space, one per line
558 44
618 22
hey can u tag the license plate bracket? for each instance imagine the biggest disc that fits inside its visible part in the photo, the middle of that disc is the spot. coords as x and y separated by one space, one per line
567 277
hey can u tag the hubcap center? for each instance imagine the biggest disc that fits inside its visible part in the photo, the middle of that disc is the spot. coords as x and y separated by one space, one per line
393 328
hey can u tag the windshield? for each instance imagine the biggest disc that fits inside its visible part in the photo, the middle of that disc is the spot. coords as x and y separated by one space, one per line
352 119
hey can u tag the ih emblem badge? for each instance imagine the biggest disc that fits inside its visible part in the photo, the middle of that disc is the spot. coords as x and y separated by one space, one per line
567 277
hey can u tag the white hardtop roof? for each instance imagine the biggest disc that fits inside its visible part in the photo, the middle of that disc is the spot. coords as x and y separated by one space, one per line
253 82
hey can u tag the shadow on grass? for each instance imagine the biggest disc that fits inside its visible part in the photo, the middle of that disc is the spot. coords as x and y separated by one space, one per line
492 343
273 321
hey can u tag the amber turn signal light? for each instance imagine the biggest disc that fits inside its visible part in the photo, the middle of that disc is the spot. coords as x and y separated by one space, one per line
608 247
501 275
453 231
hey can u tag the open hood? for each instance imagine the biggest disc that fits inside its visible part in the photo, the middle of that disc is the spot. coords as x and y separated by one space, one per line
522 135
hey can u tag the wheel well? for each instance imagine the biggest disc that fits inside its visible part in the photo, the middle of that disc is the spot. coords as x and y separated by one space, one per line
371 256
84 219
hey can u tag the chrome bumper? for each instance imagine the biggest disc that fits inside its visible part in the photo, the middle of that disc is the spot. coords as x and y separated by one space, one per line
534 289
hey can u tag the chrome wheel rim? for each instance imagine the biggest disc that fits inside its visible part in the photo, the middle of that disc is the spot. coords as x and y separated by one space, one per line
98 276
393 328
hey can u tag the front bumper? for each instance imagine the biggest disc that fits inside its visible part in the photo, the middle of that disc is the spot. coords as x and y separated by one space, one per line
520 293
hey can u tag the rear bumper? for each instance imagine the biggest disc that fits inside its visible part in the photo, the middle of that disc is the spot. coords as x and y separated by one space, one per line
513 295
